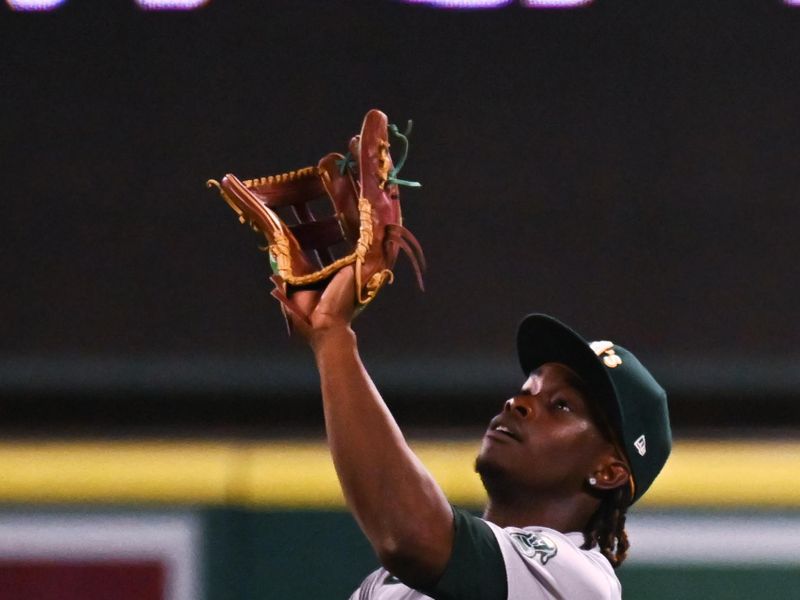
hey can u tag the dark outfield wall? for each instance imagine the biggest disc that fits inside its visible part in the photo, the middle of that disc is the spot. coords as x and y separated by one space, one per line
630 167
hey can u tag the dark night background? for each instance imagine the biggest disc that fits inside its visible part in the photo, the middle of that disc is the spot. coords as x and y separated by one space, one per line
630 167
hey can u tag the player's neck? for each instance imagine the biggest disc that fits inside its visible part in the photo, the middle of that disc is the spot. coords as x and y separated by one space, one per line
563 514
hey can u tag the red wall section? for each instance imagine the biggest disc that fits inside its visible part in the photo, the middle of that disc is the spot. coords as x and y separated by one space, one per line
66 580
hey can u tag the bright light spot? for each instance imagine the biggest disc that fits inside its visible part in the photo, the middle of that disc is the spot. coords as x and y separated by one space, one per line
792 2
170 4
501 3
462 3
34 5
557 3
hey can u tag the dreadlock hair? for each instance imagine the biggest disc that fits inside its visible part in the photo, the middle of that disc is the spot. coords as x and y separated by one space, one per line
606 527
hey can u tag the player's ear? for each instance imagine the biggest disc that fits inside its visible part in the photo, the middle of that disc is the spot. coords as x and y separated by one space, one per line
611 474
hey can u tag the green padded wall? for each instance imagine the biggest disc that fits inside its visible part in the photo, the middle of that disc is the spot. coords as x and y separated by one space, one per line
286 555
710 583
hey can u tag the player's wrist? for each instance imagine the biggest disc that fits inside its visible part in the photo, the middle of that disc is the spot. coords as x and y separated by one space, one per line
334 338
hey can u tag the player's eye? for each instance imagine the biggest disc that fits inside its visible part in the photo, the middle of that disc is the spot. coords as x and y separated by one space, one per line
562 404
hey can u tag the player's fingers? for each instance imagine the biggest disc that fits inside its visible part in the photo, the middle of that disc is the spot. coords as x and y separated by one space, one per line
338 300
306 300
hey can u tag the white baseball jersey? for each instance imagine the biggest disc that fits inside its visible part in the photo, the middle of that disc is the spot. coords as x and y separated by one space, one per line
492 563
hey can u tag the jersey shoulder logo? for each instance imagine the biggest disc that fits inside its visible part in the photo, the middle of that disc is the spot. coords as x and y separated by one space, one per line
535 545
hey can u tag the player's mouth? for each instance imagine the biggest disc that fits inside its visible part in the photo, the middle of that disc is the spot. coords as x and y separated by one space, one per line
501 431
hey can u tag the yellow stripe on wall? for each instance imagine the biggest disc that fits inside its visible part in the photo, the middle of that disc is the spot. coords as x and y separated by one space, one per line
729 474
300 475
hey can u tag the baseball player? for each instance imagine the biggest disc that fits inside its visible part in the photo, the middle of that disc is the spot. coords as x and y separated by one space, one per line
561 462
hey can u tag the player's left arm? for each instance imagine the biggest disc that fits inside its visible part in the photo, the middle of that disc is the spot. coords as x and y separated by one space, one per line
401 509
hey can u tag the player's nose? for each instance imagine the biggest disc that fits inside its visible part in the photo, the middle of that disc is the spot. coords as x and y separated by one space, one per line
521 405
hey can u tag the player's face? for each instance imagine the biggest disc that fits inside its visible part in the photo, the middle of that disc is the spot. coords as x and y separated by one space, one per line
545 439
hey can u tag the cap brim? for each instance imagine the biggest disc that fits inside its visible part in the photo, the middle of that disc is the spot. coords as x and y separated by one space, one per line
542 339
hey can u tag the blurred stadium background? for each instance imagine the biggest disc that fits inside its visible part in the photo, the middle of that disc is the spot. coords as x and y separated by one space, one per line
628 166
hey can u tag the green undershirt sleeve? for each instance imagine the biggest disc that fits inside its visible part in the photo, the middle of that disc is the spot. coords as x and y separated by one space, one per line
476 570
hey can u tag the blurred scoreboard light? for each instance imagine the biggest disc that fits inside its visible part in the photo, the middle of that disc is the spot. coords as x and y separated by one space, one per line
462 3
44 5
456 4
170 4
34 5
555 3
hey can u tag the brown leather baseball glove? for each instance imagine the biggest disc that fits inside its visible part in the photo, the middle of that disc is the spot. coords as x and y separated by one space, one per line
358 220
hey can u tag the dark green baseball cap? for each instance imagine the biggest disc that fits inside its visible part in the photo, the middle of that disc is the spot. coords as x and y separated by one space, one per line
632 400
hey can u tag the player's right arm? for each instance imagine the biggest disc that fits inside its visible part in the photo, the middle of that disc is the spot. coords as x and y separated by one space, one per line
395 500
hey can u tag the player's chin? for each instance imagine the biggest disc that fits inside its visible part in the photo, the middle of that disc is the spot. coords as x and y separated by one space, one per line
487 450
494 475
489 459
483 464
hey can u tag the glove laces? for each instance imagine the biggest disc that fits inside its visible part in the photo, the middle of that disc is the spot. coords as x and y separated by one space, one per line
347 163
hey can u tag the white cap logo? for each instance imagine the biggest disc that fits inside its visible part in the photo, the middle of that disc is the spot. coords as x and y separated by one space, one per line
641 445
605 350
